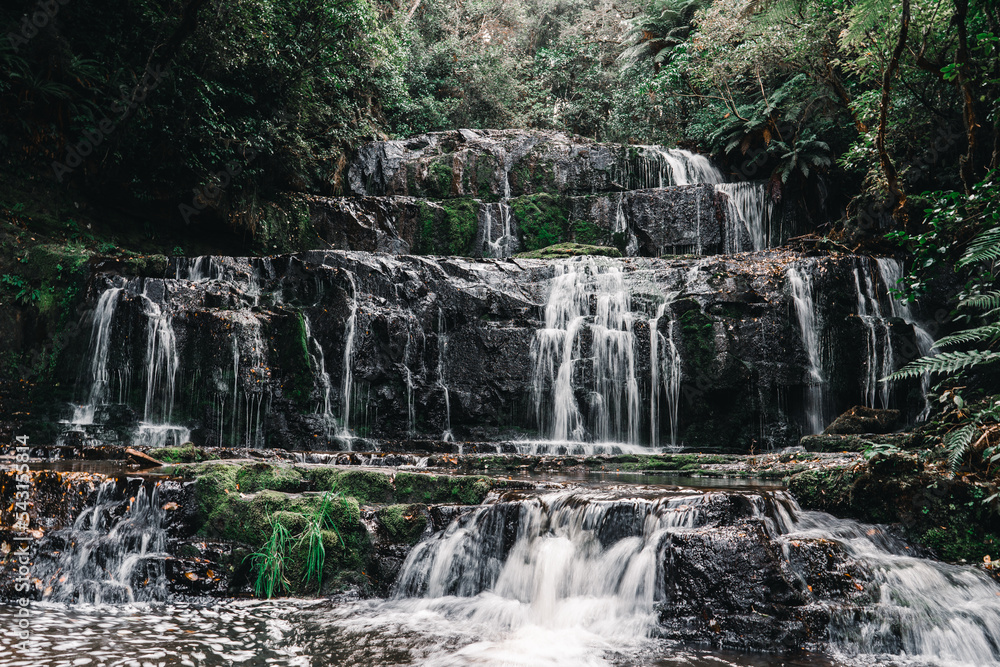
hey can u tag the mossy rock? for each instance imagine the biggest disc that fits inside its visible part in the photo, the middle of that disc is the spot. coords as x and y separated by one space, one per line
186 453
570 250
542 220
431 489
258 476
447 228
146 266
368 486
403 523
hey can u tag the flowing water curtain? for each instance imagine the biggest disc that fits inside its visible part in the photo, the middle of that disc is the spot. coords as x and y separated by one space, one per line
665 374
800 282
98 374
614 403
114 556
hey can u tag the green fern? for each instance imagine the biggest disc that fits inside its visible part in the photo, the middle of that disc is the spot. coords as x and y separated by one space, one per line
957 444
984 248
945 362
989 301
988 333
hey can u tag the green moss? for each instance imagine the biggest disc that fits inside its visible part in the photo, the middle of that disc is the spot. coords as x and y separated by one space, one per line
403 523
368 486
961 543
184 454
257 476
447 228
828 490
569 250
149 266
441 177
586 232
697 338
295 362
430 489
542 220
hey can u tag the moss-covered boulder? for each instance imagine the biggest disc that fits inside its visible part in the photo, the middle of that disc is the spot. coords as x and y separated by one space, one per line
570 250
936 510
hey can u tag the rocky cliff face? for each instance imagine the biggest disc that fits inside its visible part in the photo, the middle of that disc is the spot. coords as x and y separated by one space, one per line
490 193
331 349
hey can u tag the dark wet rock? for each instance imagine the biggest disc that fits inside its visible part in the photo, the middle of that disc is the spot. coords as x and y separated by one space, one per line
859 443
730 586
861 419
930 507
425 324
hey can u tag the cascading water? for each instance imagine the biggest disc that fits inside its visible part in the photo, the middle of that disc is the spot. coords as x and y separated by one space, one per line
318 361
665 374
249 377
499 242
442 353
566 583
748 217
347 372
800 286
891 272
100 347
658 167
162 364
113 556
614 404
922 609
880 357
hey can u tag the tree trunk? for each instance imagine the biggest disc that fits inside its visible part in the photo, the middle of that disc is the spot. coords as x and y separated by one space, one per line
968 163
896 194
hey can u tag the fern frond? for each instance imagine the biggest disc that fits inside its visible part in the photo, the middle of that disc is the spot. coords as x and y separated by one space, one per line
989 332
946 362
957 444
983 248
988 301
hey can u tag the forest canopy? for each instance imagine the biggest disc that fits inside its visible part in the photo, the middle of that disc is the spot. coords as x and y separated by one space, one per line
854 107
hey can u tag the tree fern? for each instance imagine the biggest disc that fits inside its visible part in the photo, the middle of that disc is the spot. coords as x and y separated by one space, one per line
945 362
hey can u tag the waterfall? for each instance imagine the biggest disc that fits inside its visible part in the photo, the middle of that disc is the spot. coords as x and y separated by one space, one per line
564 574
748 209
614 399
625 230
248 402
100 347
922 609
571 574
411 416
800 284
347 372
891 272
505 244
880 355
317 360
114 556
658 167
442 352
162 362
665 373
